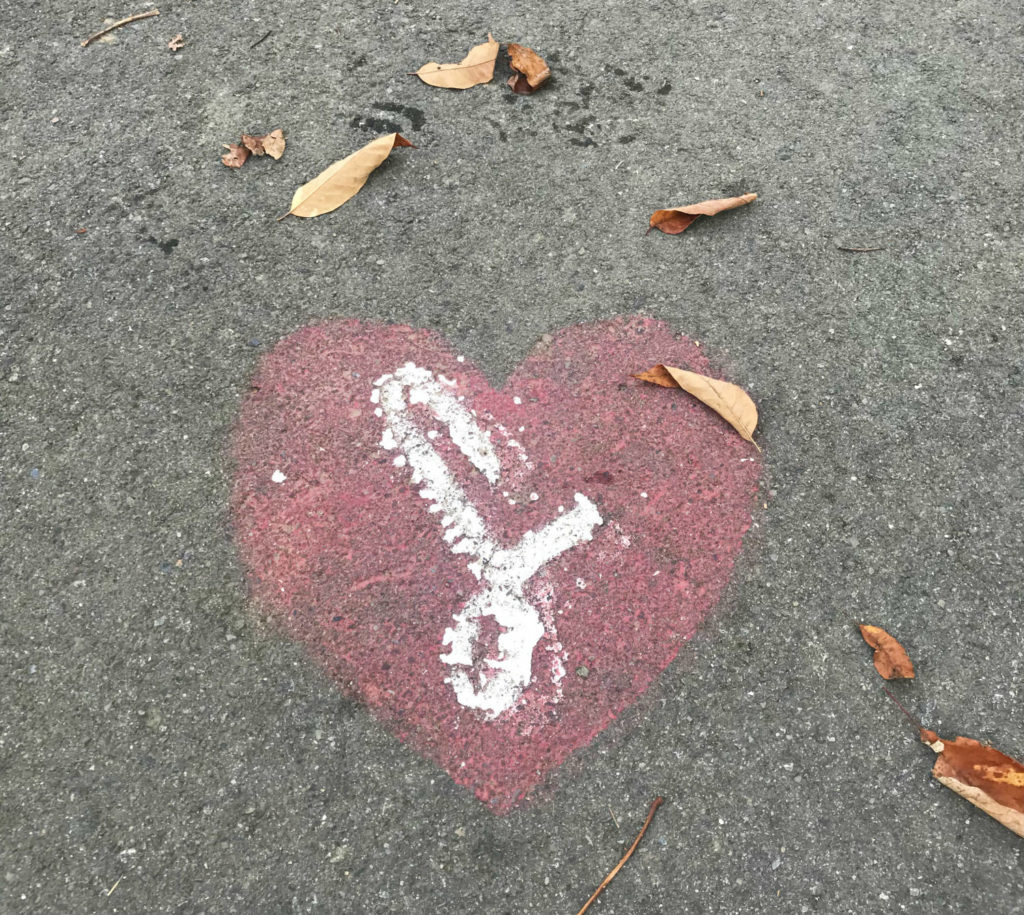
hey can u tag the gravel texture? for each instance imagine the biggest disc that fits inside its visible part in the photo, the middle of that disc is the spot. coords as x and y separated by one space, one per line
159 738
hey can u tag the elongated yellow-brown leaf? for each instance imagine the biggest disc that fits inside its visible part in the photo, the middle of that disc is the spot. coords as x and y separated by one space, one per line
475 68
677 219
990 780
341 181
728 400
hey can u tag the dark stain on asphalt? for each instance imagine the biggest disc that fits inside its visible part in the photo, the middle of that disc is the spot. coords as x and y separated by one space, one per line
375 125
415 116
497 126
166 246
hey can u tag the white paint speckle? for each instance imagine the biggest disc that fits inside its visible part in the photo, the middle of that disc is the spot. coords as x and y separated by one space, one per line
432 434
558 664
580 583
643 495
460 358
561 508
534 497
399 461
278 477
517 400
377 410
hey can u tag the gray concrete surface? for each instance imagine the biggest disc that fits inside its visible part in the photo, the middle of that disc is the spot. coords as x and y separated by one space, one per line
156 733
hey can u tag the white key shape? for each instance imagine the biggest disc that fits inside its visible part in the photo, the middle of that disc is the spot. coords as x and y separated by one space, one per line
503 572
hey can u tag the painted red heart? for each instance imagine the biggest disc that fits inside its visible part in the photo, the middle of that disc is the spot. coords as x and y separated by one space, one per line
496 573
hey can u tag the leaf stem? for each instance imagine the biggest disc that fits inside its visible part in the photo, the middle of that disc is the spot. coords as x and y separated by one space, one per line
899 704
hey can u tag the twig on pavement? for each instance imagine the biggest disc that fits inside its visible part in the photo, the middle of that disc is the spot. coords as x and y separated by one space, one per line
119 23
625 857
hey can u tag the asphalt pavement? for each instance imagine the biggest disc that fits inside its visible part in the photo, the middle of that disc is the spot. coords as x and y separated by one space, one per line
165 746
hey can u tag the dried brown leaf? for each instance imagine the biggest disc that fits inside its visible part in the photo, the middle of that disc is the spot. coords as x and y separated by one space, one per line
531 70
992 781
235 156
659 375
274 143
728 400
475 68
253 143
891 659
176 43
269 144
341 181
519 84
678 219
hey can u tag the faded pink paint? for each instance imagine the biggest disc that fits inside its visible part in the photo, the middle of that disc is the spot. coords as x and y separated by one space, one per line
346 555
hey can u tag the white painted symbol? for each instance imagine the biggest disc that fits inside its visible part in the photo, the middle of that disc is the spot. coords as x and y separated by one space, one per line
503 572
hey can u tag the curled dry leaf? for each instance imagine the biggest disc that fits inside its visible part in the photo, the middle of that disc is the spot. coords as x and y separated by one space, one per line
728 400
992 781
176 43
270 144
678 219
475 68
341 181
531 70
891 660
235 156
